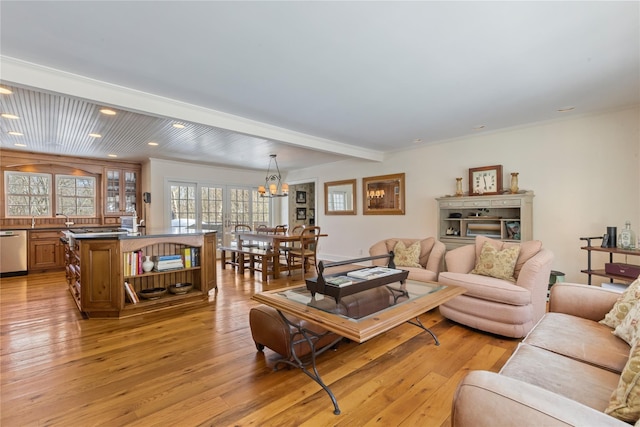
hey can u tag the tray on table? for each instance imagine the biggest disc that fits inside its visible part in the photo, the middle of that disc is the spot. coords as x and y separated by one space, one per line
321 285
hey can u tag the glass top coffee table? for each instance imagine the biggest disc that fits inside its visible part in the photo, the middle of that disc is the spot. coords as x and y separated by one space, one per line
406 301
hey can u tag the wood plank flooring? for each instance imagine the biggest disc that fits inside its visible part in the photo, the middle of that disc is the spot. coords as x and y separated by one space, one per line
198 366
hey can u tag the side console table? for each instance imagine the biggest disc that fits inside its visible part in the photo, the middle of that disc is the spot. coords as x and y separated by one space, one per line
590 271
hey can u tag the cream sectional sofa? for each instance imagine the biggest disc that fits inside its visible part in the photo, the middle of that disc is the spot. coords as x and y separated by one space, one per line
563 373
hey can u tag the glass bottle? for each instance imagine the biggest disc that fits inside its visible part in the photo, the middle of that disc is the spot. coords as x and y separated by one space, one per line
627 237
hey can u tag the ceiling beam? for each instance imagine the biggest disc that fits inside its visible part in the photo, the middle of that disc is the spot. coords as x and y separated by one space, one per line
37 76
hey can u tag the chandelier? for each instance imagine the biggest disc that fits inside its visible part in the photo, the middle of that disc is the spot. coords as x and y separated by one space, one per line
273 182
375 194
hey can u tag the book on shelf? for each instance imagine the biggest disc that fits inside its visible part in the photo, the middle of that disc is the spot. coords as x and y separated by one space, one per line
195 257
339 280
186 257
131 293
133 263
372 273
167 257
169 266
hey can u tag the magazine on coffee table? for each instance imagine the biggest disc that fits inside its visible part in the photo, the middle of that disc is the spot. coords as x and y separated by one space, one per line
372 273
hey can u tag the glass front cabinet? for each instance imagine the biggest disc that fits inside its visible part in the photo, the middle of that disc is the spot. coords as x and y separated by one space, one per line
121 191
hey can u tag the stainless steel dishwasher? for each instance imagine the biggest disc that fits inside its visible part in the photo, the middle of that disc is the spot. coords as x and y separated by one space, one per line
13 253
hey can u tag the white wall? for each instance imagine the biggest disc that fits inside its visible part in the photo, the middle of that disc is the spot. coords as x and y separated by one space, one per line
584 172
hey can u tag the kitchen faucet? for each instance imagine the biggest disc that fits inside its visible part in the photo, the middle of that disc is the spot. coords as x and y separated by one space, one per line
67 222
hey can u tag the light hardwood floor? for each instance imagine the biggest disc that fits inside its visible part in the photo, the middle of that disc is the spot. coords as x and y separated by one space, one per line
198 366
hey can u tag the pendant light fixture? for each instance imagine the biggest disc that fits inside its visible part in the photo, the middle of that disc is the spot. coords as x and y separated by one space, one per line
273 185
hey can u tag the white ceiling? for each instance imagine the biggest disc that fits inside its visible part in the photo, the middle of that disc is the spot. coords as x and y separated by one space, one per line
314 82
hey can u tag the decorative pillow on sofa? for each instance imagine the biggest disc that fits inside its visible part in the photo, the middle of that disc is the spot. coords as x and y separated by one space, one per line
623 305
407 257
628 328
527 250
496 263
625 399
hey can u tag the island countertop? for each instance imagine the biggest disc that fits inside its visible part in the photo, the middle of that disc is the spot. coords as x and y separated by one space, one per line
122 234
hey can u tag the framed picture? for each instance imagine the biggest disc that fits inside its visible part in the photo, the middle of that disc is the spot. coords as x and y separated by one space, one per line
301 197
383 195
485 180
301 214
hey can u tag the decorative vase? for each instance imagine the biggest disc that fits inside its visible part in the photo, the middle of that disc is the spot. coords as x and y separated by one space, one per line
459 187
514 182
147 264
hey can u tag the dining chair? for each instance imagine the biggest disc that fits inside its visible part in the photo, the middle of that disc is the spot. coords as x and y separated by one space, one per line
306 251
280 229
239 228
287 246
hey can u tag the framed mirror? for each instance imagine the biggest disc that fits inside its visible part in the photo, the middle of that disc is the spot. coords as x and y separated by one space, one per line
340 197
383 195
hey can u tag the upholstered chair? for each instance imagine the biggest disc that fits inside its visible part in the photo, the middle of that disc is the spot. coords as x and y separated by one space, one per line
507 306
423 258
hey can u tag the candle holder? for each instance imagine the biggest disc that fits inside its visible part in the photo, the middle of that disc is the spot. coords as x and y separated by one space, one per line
459 187
514 182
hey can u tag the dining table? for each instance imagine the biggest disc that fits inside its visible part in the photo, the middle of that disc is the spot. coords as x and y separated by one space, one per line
273 240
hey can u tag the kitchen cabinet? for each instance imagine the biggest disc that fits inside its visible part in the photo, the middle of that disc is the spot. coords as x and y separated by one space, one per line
507 217
46 252
121 191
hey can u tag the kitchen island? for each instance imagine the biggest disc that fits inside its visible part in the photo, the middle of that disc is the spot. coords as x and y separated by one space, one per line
99 264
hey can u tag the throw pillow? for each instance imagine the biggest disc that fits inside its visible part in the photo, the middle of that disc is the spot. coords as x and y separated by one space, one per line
628 328
496 263
625 399
623 305
406 257
527 250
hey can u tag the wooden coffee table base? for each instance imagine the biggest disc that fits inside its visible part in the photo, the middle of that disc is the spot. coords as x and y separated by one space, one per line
291 301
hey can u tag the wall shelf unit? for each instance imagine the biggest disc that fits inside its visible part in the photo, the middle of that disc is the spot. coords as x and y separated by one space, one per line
600 272
507 217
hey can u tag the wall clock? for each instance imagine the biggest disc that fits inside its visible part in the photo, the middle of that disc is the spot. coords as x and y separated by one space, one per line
485 180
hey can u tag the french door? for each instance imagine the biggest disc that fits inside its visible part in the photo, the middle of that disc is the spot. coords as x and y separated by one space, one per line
202 206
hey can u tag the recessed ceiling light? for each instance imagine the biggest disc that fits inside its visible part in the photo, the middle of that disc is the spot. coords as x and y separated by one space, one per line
566 109
95 135
108 112
178 125
153 143
14 133
5 91
112 155
9 116
479 127
20 145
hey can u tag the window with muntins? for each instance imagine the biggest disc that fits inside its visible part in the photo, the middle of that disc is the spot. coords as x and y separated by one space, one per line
32 193
28 194
76 195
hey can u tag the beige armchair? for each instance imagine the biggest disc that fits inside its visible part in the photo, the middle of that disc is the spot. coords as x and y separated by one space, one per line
429 259
494 305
